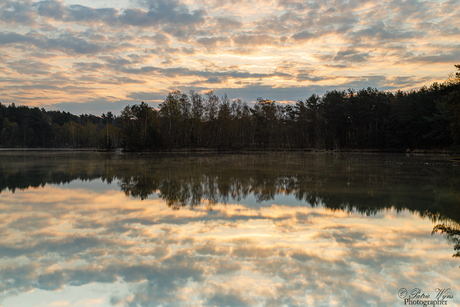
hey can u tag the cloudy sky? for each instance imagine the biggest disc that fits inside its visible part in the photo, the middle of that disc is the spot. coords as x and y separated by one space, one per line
93 56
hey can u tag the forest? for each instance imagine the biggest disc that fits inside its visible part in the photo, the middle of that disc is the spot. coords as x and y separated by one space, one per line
367 119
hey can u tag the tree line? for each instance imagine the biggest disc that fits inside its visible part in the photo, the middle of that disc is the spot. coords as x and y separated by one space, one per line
21 126
428 118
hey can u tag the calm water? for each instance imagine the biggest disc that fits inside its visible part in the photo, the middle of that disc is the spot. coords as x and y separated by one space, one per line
227 230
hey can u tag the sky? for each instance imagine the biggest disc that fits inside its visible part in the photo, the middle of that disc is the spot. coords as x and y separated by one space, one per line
97 56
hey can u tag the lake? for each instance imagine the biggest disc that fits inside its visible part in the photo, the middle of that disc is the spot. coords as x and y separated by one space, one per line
267 229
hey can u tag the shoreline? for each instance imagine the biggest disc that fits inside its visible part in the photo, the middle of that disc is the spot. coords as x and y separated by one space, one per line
234 151
48 149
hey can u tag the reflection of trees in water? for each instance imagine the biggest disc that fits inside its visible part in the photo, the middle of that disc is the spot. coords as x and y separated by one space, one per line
446 212
20 170
217 180
452 234
363 183
366 184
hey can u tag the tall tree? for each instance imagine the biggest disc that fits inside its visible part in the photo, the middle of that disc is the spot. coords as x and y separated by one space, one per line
140 128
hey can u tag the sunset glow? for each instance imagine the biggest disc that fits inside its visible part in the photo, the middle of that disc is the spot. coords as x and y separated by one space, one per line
94 56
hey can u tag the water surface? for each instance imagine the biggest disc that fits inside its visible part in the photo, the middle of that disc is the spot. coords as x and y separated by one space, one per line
85 229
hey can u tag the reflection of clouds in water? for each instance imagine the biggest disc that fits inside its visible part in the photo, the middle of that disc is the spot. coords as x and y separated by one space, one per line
53 239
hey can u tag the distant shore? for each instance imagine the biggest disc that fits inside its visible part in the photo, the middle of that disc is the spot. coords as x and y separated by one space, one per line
210 150
48 149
